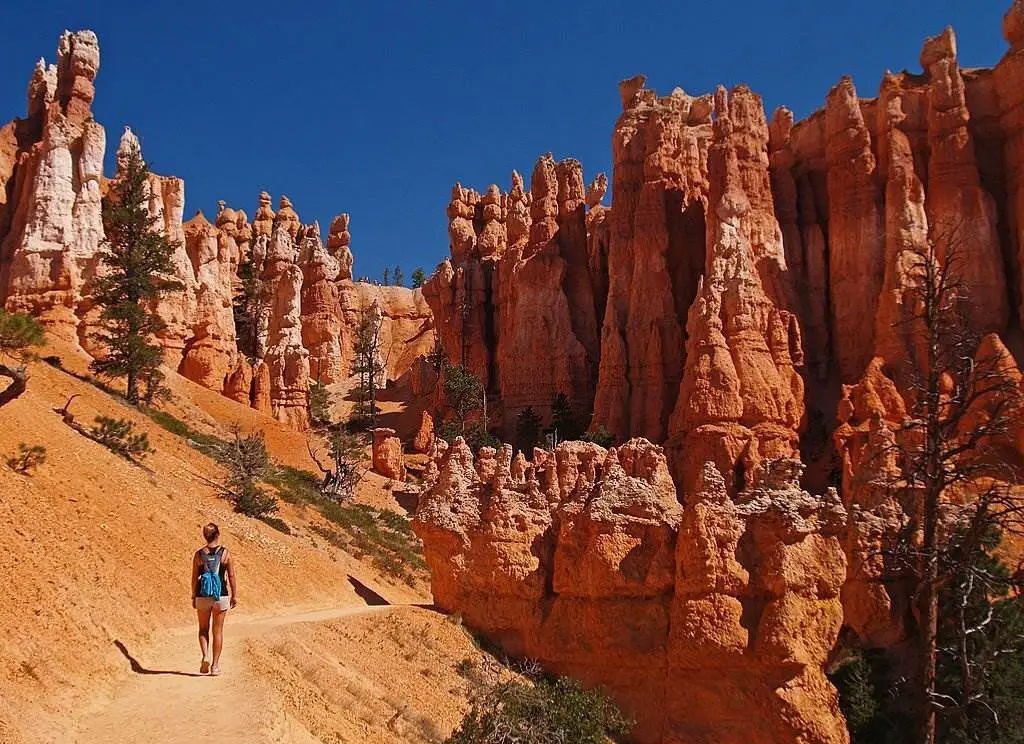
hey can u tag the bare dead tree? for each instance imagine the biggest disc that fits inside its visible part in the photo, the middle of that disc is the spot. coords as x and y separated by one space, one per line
346 467
952 450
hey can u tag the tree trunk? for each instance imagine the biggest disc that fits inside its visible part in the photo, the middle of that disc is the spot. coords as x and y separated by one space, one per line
19 381
929 623
132 392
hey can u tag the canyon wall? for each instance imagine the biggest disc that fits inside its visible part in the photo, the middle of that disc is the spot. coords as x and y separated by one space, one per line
833 207
526 280
759 280
708 621
51 232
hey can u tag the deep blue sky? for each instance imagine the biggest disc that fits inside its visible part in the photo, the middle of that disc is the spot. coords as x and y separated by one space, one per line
378 108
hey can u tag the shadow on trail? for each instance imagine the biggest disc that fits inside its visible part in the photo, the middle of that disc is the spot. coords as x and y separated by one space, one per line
367 594
139 669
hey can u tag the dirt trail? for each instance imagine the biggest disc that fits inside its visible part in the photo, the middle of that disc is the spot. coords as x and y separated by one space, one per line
163 698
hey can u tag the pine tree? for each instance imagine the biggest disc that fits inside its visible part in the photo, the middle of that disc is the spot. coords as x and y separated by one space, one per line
246 308
137 263
319 404
563 420
387 276
18 334
463 391
367 365
418 277
528 426
399 279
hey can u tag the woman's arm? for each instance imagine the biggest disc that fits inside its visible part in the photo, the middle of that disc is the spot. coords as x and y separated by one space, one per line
195 577
229 564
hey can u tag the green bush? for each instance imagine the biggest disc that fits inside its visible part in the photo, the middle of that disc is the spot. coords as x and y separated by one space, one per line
546 711
19 332
118 436
599 436
319 405
247 463
27 459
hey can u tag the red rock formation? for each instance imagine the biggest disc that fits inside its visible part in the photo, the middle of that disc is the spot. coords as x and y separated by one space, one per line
423 440
546 301
524 281
741 398
584 560
321 309
338 242
406 324
962 214
210 353
1008 75
286 358
239 385
387 454
51 226
656 256
856 259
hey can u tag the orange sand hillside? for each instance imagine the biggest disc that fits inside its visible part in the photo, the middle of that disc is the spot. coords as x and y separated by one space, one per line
94 554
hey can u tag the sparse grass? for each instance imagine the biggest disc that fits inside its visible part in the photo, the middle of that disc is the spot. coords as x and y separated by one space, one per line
386 537
202 442
296 486
277 523
364 533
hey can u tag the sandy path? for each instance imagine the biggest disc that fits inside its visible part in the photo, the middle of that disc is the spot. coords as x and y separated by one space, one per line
163 698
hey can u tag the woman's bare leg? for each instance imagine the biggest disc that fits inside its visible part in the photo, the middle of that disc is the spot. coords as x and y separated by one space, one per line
204 638
218 637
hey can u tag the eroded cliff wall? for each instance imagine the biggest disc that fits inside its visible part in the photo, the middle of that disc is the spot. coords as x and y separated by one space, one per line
832 207
51 232
708 621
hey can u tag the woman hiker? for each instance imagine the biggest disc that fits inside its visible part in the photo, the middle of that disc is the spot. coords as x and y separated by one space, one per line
211 597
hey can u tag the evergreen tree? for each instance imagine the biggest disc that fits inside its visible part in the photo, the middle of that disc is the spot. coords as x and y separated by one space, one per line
980 665
563 421
418 277
463 391
367 366
18 334
246 306
387 276
137 263
399 279
528 425
319 404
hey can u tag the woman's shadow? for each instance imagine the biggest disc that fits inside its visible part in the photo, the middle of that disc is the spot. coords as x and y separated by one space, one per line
139 669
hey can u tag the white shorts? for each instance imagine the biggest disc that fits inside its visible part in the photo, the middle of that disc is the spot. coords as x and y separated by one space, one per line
208 604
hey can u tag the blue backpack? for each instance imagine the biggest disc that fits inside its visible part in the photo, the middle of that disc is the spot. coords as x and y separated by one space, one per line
210 584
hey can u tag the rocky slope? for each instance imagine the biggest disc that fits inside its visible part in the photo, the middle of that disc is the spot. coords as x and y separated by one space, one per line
51 187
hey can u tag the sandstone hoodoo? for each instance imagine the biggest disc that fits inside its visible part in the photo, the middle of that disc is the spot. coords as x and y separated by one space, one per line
387 454
753 279
745 330
584 560
524 282
51 232
833 203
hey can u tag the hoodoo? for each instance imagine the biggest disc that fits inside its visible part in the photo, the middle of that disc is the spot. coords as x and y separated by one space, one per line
753 281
